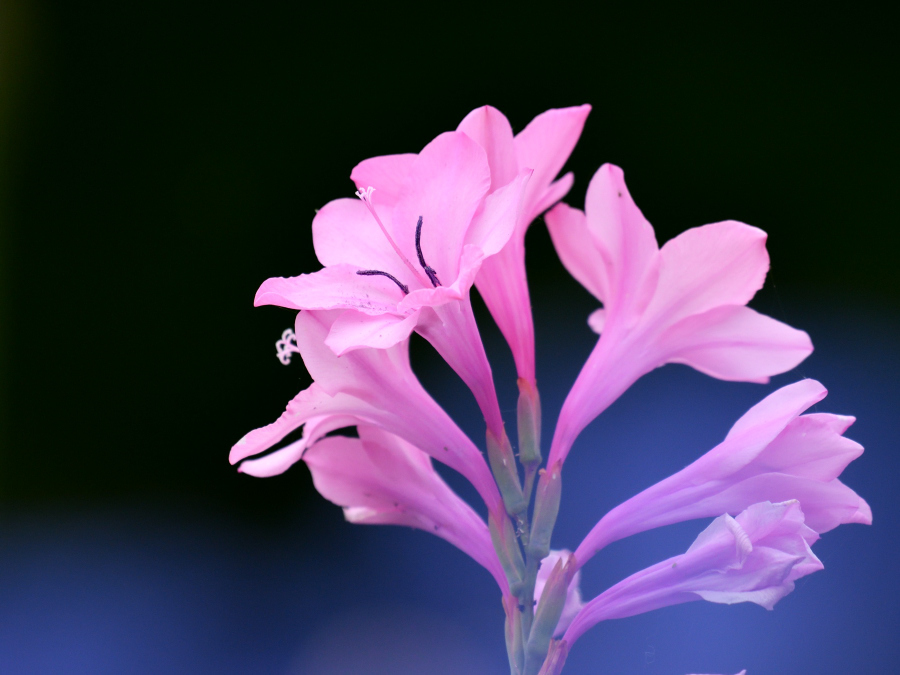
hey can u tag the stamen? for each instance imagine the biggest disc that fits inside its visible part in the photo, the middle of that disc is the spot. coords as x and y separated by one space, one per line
286 346
370 273
432 275
366 197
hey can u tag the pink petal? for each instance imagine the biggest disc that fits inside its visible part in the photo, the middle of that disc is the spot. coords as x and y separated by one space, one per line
597 320
386 174
335 287
496 222
706 267
755 557
489 127
381 479
575 246
309 405
625 239
554 193
812 446
734 342
378 385
545 145
446 186
503 286
355 330
771 454
452 331
281 460
345 232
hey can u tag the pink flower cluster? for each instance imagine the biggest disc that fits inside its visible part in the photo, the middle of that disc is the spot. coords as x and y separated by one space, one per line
403 256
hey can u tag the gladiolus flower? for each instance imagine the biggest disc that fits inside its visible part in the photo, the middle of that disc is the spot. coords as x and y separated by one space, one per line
755 557
773 453
684 303
405 260
370 386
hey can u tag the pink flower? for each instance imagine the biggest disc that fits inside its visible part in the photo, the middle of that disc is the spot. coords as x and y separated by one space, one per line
684 303
366 386
773 453
380 479
544 146
573 602
404 256
755 557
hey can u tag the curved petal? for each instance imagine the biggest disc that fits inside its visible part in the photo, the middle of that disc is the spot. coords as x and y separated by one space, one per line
355 330
282 459
446 186
345 232
705 267
378 386
771 454
489 127
381 479
734 342
386 174
755 557
494 224
545 145
335 287
571 237
554 193
625 239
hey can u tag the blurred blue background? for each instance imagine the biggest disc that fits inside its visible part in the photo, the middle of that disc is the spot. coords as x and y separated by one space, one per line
159 160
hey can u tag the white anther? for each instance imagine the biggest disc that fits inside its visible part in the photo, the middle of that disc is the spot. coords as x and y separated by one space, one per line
366 195
286 346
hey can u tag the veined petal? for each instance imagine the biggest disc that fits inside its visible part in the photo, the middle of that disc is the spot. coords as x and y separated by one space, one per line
335 287
355 330
755 557
381 479
579 254
446 186
545 145
489 127
386 174
706 267
733 342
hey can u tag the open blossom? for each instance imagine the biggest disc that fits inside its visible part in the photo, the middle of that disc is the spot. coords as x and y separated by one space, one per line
543 146
773 453
404 257
755 557
380 479
370 386
683 303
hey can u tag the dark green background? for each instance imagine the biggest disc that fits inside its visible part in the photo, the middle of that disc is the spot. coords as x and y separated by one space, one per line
162 159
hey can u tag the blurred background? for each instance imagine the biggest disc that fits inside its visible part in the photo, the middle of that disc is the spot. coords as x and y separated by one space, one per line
159 160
